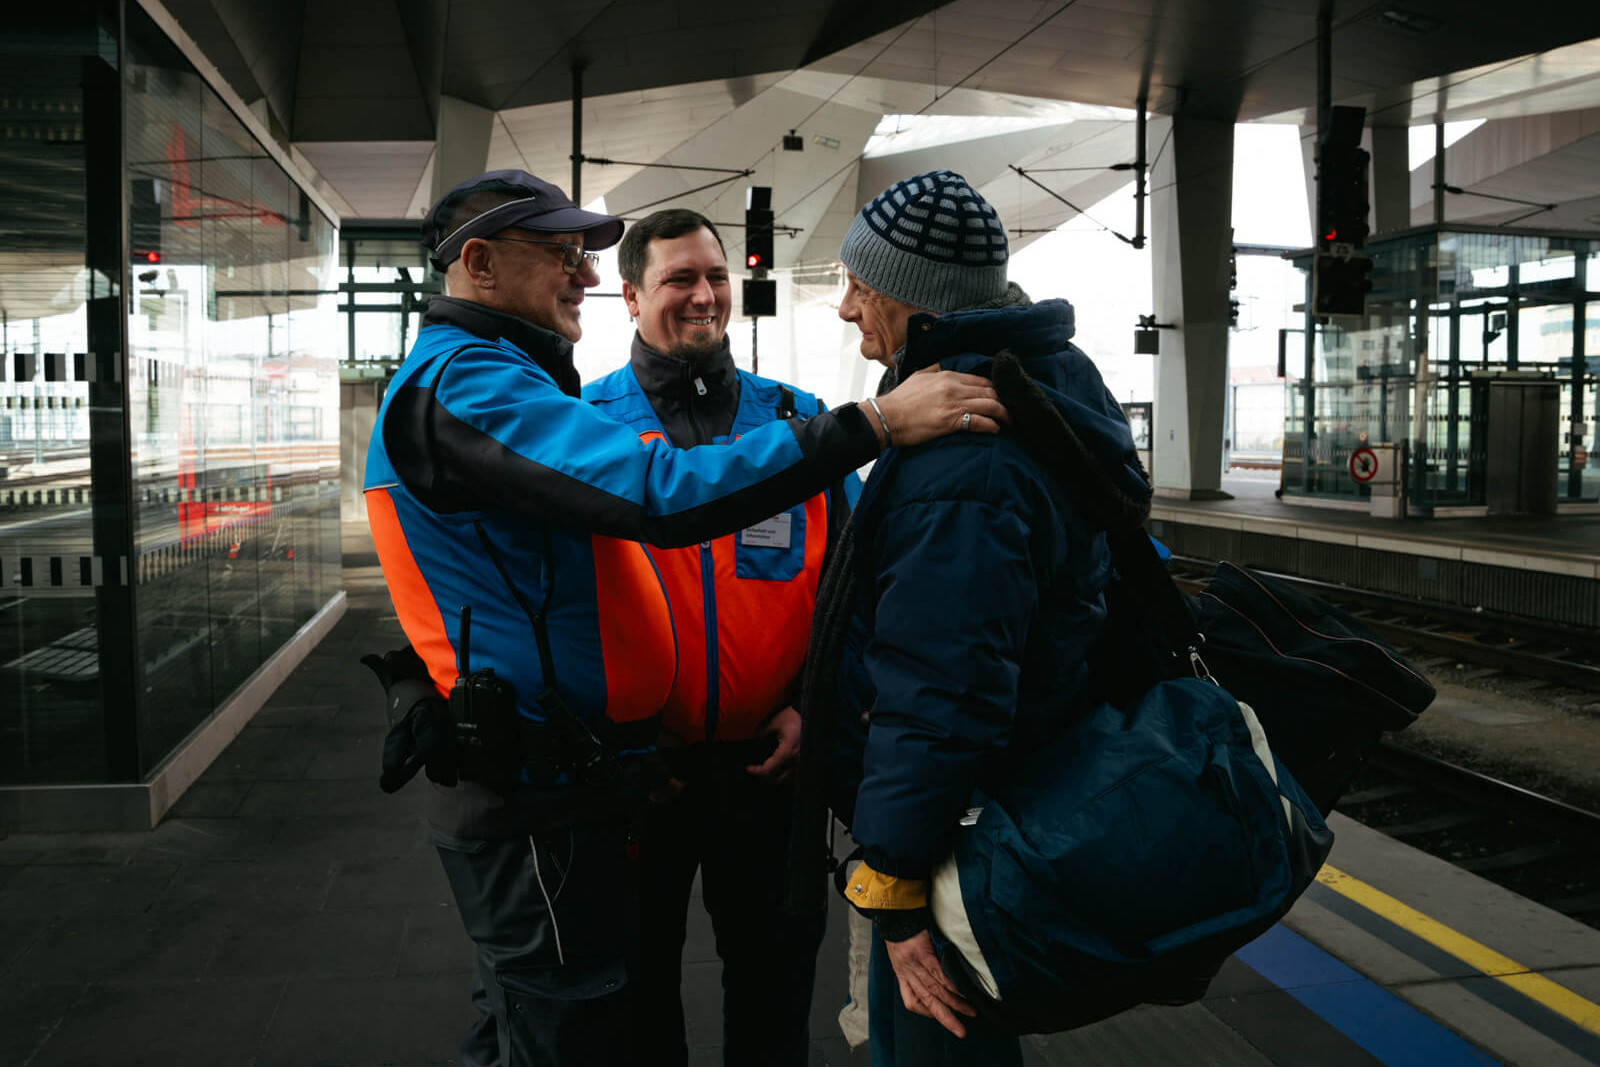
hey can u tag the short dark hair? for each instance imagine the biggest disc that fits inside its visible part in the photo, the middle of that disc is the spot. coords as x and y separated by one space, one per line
634 252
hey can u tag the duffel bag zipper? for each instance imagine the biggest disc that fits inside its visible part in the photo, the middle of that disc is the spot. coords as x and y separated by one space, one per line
1334 637
1315 663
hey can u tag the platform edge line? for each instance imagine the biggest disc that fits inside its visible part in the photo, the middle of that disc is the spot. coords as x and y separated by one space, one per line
1558 998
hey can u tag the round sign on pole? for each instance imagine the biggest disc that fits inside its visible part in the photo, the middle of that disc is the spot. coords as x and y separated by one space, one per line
1363 465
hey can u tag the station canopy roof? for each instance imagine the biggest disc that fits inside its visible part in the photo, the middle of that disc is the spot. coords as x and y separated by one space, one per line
356 88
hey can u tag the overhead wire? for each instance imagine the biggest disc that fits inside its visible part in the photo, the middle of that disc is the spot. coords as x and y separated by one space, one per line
1029 32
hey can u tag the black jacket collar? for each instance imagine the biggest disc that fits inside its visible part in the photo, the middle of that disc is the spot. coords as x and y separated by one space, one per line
550 350
694 401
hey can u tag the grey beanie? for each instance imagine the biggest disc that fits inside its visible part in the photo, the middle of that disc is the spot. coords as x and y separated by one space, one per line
929 241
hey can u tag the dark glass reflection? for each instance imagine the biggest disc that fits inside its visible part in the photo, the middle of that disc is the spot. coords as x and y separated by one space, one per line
51 725
228 409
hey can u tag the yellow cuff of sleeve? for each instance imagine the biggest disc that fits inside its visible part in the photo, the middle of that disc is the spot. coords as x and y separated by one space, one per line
869 889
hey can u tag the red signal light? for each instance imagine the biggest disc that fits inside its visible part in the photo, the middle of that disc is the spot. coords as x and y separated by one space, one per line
152 257
752 260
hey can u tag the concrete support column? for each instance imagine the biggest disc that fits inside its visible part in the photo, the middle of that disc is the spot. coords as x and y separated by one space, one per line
1391 178
461 147
1192 214
358 415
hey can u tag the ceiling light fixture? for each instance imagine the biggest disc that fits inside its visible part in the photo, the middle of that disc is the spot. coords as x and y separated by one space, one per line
825 142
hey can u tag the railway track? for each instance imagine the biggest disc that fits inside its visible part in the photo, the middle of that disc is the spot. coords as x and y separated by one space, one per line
1533 845
1536 847
1567 656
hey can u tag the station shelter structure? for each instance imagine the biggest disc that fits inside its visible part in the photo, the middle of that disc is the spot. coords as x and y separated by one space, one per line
1474 371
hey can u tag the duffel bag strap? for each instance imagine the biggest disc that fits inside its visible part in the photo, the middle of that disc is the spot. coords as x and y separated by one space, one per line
1149 584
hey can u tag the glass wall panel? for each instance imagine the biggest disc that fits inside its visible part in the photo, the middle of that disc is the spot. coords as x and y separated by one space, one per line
389 282
167 323
223 401
52 727
269 527
227 474
1450 313
316 345
155 260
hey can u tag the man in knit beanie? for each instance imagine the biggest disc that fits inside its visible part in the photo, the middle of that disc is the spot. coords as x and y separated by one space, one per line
955 619
928 243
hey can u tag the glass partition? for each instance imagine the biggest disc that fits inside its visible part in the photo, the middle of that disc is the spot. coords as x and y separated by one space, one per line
51 724
1452 317
168 399
387 282
232 432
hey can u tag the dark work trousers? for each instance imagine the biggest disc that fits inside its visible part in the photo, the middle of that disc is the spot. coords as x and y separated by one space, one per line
735 830
554 922
899 1038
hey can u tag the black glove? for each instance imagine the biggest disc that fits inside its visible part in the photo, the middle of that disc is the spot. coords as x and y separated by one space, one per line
422 732
425 737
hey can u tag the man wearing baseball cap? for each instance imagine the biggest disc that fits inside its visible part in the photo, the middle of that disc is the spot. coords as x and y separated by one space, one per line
503 510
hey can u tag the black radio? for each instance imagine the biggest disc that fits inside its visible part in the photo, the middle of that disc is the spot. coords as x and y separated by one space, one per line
483 707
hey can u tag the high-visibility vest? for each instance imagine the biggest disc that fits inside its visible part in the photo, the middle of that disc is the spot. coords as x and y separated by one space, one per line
609 624
741 604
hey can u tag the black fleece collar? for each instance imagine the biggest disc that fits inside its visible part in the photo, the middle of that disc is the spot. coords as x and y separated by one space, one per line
550 350
659 373
692 399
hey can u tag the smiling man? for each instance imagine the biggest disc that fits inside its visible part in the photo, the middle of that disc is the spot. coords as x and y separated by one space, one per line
491 486
741 611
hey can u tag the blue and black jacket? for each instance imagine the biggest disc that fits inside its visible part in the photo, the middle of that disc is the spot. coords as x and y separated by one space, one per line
490 484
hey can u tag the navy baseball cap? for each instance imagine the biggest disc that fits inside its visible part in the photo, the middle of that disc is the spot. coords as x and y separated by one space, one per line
525 201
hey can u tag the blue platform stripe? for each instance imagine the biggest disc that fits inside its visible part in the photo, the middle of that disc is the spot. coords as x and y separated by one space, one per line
1524 1009
1381 1023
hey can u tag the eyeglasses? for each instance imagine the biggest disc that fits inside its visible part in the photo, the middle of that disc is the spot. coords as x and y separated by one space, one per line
573 257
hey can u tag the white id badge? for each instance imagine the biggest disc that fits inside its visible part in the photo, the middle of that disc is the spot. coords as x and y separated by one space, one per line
769 533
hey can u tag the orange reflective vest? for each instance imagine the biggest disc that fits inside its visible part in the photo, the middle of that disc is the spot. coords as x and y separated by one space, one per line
741 604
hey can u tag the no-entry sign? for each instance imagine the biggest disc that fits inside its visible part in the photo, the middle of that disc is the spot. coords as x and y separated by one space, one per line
1363 465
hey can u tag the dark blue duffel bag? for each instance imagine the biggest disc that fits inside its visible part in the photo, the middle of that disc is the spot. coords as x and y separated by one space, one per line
1133 854
1323 686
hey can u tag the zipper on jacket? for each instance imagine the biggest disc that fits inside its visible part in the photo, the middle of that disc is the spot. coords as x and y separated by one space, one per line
693 389
708 585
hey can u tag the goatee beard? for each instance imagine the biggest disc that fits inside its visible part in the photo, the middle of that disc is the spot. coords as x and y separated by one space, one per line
693 353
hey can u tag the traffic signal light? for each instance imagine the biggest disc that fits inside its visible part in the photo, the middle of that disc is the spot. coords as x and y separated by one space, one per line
1340 285
758 231
1342 201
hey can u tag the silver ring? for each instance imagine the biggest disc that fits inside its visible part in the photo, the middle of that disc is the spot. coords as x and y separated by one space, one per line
966 420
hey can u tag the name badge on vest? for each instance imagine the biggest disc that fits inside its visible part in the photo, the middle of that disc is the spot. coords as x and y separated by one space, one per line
769 533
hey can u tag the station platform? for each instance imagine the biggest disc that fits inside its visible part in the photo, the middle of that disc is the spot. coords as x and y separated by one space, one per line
1545 568
287 912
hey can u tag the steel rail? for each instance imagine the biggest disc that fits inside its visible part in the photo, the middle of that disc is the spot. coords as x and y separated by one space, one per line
1505 798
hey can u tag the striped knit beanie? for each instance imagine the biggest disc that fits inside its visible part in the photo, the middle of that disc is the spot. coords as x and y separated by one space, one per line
930 241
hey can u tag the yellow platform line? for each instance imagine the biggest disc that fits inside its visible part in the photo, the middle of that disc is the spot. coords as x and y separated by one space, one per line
1558 998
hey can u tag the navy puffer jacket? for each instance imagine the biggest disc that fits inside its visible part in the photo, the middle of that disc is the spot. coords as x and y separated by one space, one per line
978 596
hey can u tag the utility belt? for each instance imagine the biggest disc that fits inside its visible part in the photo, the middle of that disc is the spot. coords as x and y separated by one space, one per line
479 735
501 747
709 760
